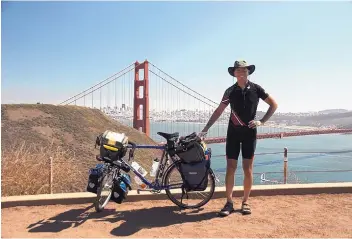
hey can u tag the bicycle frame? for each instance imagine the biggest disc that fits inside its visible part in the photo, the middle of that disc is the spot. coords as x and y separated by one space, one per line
168 162
155 185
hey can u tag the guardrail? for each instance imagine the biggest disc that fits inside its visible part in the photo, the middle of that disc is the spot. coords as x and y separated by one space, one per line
288 176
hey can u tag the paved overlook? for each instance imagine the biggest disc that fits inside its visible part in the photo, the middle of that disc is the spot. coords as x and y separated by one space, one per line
324 215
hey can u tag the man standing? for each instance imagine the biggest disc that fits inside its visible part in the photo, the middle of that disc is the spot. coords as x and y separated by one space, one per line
243 98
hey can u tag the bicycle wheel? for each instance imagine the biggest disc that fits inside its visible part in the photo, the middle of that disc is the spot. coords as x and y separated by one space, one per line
104 192
175 195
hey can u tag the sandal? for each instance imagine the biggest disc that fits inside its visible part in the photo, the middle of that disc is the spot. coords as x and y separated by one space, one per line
227 209
246 208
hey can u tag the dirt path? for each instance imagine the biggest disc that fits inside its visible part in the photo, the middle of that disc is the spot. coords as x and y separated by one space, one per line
279 216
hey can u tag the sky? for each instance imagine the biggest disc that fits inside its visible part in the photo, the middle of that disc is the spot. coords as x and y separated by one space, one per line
302 50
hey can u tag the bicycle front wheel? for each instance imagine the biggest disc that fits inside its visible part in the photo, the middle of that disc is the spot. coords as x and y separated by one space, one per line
190 200
104 192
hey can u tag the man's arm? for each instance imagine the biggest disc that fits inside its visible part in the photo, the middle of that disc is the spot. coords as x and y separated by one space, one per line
217 113
215 116
272 108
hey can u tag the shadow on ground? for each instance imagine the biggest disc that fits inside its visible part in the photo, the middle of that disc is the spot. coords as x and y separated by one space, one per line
131 221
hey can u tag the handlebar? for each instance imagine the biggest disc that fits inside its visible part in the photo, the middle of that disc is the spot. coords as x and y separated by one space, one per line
119 164
132 144
131 153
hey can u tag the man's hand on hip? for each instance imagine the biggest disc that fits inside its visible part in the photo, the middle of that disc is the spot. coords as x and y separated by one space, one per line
254 123
202 134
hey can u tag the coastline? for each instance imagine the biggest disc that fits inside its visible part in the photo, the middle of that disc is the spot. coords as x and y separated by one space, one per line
271 125
295 127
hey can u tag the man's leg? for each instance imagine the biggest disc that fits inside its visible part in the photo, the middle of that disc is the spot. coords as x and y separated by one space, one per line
248 149
248 177
232 153
230 177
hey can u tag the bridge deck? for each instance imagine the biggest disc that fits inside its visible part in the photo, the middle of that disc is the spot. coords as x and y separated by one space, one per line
287 134
323 215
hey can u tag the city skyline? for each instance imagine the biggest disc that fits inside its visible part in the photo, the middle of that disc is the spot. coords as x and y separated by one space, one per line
209 109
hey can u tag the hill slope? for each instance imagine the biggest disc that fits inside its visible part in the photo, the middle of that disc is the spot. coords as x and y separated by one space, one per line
341 119
31 134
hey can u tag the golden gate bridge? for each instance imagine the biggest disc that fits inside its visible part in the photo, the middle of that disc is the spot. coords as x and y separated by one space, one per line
148 99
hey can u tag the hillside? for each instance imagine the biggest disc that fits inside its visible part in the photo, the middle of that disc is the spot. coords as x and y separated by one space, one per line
333 111
31 134
341 119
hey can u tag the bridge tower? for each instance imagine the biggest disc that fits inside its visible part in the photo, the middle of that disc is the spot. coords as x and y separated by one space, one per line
141 102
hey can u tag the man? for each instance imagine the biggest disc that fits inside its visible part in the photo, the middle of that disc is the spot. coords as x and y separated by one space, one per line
243 98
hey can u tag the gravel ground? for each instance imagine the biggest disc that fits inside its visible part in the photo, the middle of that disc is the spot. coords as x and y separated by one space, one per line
324 215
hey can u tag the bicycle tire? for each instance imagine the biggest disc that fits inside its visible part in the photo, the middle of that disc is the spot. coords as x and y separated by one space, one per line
211 177
100 207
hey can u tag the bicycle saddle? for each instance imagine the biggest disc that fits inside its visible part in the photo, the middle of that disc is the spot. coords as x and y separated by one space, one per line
167 136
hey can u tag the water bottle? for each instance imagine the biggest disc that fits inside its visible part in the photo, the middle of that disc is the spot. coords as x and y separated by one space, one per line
155 166
142 171
139 168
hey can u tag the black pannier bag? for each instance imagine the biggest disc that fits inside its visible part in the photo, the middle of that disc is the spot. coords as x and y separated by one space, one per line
195 175
191 151
121 187
94 175
112 144
194 166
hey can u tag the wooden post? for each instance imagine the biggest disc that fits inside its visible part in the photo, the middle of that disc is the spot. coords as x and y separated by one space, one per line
51 175
285 165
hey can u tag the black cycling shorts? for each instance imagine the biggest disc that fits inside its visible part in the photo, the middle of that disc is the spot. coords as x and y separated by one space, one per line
240 137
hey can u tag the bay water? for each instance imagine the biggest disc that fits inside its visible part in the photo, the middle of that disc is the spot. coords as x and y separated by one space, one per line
309 157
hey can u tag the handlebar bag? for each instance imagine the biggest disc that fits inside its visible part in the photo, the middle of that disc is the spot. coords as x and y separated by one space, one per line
113 144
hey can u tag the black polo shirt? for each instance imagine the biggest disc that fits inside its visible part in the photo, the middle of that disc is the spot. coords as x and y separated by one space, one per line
244 103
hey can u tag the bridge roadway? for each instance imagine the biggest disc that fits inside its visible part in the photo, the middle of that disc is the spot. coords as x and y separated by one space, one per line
214 140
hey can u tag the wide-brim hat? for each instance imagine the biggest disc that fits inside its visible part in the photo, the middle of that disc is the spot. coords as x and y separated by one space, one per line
239 64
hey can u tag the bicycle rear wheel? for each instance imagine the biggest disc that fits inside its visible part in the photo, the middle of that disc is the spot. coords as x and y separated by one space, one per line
104 192
189 200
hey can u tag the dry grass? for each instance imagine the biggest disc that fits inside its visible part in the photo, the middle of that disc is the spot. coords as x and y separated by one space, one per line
25 170
31 134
